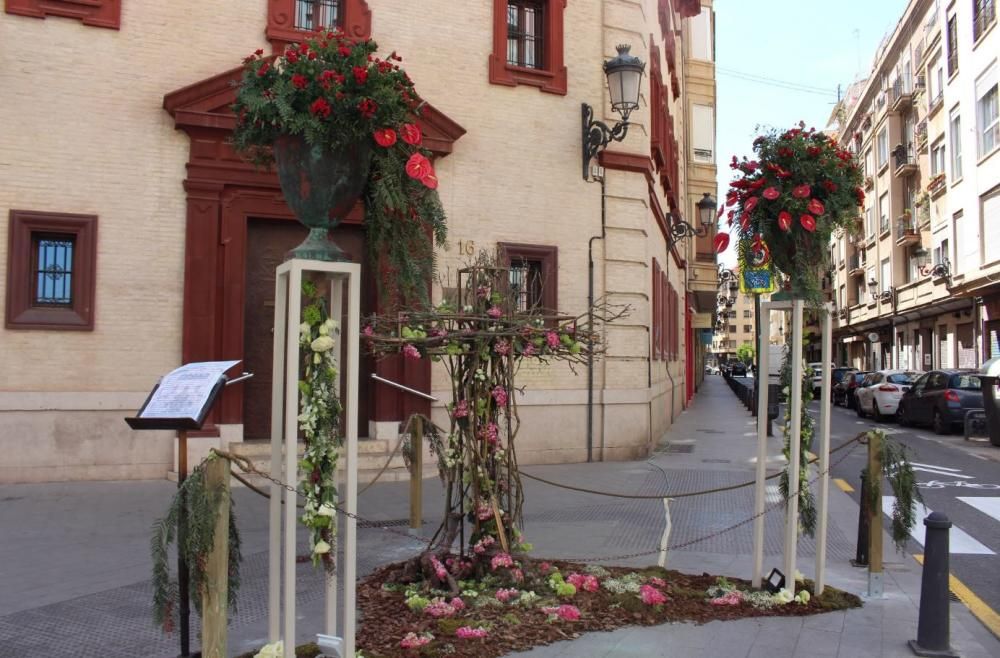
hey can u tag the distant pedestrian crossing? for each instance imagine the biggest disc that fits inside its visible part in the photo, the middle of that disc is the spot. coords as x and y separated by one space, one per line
960 542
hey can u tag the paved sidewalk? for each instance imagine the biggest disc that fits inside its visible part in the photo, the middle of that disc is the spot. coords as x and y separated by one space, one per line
74 561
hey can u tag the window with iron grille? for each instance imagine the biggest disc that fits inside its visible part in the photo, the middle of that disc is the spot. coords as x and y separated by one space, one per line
952 42
317 14
526 283
533 276
51 269
525 33
984 14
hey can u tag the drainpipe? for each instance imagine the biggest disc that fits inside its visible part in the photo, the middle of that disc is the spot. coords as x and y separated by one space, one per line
673 384
590 322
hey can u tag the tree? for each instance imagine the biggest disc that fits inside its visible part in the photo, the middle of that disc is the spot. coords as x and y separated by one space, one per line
745 353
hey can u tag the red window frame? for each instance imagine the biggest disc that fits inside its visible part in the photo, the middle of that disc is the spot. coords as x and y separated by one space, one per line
551 77
356 22
96 13
21 311
656 314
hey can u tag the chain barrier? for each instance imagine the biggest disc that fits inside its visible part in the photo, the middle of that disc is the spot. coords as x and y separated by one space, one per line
246 465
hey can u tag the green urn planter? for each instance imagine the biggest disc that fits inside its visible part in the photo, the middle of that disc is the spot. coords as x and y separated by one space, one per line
320 186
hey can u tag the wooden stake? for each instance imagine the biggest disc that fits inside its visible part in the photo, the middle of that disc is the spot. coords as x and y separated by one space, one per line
875 514
215 593
416 473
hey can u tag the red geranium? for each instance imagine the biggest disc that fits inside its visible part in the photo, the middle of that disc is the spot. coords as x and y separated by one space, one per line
367 108
360 74
320 107
771 193
385 137
299 81
808 222
344 50
411 134
801 191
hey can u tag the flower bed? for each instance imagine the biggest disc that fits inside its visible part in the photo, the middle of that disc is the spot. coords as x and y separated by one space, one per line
556 601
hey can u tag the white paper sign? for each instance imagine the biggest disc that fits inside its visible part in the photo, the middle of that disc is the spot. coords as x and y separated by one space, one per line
184 392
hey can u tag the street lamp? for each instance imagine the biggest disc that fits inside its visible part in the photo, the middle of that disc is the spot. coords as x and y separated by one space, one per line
924 267
679 229
624 74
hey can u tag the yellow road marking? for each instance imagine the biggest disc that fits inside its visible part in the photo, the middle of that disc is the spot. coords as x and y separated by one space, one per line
984 613
843 484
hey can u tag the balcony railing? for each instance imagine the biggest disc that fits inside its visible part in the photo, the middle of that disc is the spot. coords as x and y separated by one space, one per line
905 162
900 96
856 265
920 136
934 104
906 229
987 14
937 184
883 225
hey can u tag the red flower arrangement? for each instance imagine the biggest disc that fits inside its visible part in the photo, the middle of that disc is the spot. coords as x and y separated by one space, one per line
804 174
338 93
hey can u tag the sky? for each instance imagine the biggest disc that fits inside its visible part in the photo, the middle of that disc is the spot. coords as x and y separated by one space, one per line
779 62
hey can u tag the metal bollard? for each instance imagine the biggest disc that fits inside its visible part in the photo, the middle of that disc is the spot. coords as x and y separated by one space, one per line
861 556
933 626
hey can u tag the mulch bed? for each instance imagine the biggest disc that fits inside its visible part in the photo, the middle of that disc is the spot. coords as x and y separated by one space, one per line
385 619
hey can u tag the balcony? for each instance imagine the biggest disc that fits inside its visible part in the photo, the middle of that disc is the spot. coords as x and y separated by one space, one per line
900 97
985 17
937 185
905 164
855 266
843 314
920 135
934 104
906 230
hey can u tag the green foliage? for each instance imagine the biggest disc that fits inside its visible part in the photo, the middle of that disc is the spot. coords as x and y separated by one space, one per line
807 502
898 471
745 353
202 509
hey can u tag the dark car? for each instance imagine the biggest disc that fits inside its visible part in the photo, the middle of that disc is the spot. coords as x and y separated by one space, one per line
738 369
838 375
940 399
844 390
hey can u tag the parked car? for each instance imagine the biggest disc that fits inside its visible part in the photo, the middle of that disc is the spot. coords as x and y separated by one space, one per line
838 375
738 369
940 399
817 380
844 392
881 391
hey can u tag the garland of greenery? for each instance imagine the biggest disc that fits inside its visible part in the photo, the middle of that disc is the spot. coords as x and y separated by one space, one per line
807 502
898 471
319 420
202 509
336 92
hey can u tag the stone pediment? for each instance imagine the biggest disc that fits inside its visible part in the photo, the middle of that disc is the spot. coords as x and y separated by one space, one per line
206 105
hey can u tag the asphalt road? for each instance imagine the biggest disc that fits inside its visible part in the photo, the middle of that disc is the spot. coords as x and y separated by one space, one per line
957 477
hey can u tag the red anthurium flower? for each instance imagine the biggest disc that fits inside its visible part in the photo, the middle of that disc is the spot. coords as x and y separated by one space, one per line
385 137
430 180
731 199
263 69
750 204
784 220
829 186
721 242
320 108
808 222
360 74
411 134
731 214
722 209
299 81
816 207
745 221
757 184
783 173
418 166
801 191
771 193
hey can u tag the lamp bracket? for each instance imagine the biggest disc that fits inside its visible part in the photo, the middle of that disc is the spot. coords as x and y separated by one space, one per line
597 135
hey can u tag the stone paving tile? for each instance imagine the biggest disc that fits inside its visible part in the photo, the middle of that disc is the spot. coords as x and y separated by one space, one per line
814 642
833 621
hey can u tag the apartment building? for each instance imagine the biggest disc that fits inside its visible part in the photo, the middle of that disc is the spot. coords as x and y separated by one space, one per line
918 285
121 179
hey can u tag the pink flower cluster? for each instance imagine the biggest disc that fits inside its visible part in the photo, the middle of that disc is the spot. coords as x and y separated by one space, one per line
439 608
528 350
552 339
439 569
494 312
732 598
414 641
565 612
583 582
651 596
470 633
499 394
484 511
480 546
501 347
461 409
411 352
507 594
657 582
501 560
491 433
544 567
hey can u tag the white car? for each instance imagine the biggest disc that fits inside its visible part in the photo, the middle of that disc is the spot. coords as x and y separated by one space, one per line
880 392
817 379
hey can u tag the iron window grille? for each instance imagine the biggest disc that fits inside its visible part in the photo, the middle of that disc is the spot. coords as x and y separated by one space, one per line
317 14
984 13
952 42
527 283
525 30
52 270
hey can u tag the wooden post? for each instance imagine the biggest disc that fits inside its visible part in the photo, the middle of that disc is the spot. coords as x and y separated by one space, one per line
215 593
875 588
183 578
416 474
823 507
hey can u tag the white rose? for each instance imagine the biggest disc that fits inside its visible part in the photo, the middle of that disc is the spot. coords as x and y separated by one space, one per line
304 328
321 548
326 509
324 330
331 324
317 359
276 650
322 344
799 577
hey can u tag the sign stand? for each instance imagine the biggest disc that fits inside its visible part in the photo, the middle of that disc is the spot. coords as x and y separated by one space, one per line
795 402
345 289
194 387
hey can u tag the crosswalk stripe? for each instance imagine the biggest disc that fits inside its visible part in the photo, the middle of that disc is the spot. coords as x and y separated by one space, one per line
989 505
960 542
